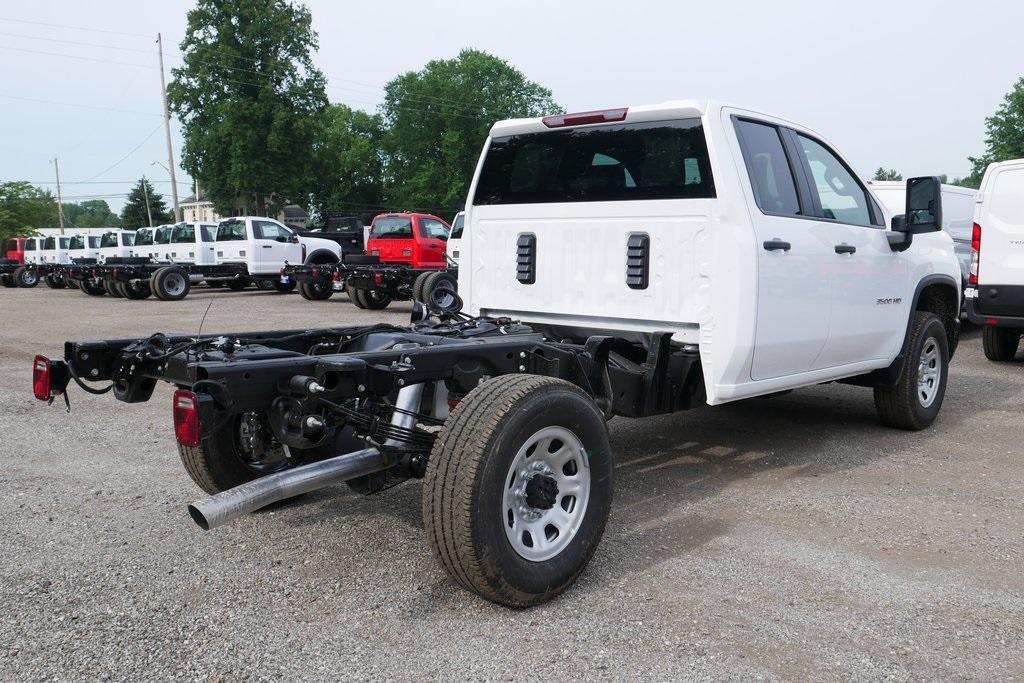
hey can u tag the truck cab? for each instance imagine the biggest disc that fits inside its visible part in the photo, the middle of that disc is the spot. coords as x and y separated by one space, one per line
117 243
265 246
55 249
194 243
995 290
414 239
84 247
153 243
745 235
14 249
33 248
454 246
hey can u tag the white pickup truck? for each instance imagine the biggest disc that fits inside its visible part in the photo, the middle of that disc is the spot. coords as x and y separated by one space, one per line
264 246
628 262
116 243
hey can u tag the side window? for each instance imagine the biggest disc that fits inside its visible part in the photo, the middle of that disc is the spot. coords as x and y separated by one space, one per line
270 231
768 167
431 228
840 194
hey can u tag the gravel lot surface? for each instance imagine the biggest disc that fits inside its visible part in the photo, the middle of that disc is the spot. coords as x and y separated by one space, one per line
789 538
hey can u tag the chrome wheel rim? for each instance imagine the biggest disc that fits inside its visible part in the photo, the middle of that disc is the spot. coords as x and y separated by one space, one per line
29 277
545 494
174 284
929 372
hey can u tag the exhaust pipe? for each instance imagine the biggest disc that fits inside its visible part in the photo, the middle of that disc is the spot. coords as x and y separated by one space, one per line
259 493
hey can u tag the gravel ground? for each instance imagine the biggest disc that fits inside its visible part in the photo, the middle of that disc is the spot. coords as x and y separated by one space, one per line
789 538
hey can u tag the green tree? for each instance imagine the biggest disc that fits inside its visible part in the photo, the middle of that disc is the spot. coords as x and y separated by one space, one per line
1004 135
24 208
250 102
883 174
437 120
94 213
133 214
349 172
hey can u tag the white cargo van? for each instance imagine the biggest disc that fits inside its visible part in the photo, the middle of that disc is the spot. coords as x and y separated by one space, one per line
995 292
957 214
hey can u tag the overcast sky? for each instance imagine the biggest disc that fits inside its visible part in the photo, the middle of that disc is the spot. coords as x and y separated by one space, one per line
905 85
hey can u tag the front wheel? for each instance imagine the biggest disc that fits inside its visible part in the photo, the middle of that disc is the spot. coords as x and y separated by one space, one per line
914 402
518 488
1000 343
7 280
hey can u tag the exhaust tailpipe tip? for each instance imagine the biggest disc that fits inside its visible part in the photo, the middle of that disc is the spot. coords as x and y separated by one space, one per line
198 517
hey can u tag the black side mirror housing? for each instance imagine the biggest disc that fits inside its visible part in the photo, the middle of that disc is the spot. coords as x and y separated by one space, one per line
924 205
899 238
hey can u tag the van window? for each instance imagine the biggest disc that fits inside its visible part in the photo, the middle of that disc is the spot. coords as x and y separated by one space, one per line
771 176
144 238
435 229
840 194
108 239
392 227
457 226
231 231
633 161
183 234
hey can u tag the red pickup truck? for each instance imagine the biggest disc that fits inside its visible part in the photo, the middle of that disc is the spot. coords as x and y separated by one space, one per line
413 239
14 249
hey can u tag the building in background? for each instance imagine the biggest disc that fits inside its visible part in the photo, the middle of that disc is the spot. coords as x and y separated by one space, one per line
294 216
198 209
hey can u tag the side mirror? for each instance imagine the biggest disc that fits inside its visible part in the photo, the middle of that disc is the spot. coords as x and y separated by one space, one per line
294 239
924 205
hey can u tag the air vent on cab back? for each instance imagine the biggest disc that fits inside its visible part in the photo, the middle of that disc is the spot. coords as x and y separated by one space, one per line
526 258
638 257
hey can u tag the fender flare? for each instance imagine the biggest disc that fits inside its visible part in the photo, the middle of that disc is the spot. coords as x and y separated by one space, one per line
312 257
890 376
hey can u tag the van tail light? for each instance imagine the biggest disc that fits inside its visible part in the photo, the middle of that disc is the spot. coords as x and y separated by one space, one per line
378 278
585 117
972 278
49 378
186 418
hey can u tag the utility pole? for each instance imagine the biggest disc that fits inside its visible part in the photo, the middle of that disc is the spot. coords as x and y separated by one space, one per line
167 131
145 193
60 203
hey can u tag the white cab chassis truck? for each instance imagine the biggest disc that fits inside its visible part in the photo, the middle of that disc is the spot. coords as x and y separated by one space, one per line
995 289
626 262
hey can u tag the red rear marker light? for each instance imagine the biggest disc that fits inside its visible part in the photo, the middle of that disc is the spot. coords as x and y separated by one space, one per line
315 272
972 277
378 278
41 378
336 276
991 321
584 117
186 418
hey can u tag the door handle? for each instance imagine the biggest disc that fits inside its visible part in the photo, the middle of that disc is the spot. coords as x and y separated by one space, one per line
776 245
268 246
845 248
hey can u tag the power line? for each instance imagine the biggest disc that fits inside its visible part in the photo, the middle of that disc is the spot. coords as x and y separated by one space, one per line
82 57
100 182
75 104
76 42
133 150
75 28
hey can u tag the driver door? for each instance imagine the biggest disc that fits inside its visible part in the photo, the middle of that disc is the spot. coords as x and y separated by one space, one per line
273 246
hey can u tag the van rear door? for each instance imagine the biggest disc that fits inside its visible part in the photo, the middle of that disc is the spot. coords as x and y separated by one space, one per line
1001 217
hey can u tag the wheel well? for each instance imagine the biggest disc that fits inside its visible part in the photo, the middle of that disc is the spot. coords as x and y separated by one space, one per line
941 299
321 257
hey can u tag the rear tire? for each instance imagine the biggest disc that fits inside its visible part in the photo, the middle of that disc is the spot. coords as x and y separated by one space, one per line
111 288
373 300
417 286
92 287
316 291
54 282
915 401
26 277
135 290
441 291
1000 343
355 296
170 284
222 460
483 497
285 287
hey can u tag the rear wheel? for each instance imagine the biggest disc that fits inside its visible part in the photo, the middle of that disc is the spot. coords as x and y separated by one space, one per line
1000 343
7 280
915 401
374 300
135 289
54 282
92 287
355 296
111 288
170 284
26 277
518 488
417 286
316 290
242 450
440 291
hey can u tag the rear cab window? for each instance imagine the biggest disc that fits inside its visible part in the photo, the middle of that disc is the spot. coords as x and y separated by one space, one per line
144 238
94 242
162 235
432 228
392 227
632 161
183 233
127 239
77 242
108 240
231 231
770 170
457 226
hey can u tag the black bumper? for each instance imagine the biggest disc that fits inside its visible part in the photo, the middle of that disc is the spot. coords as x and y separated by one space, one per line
999 305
